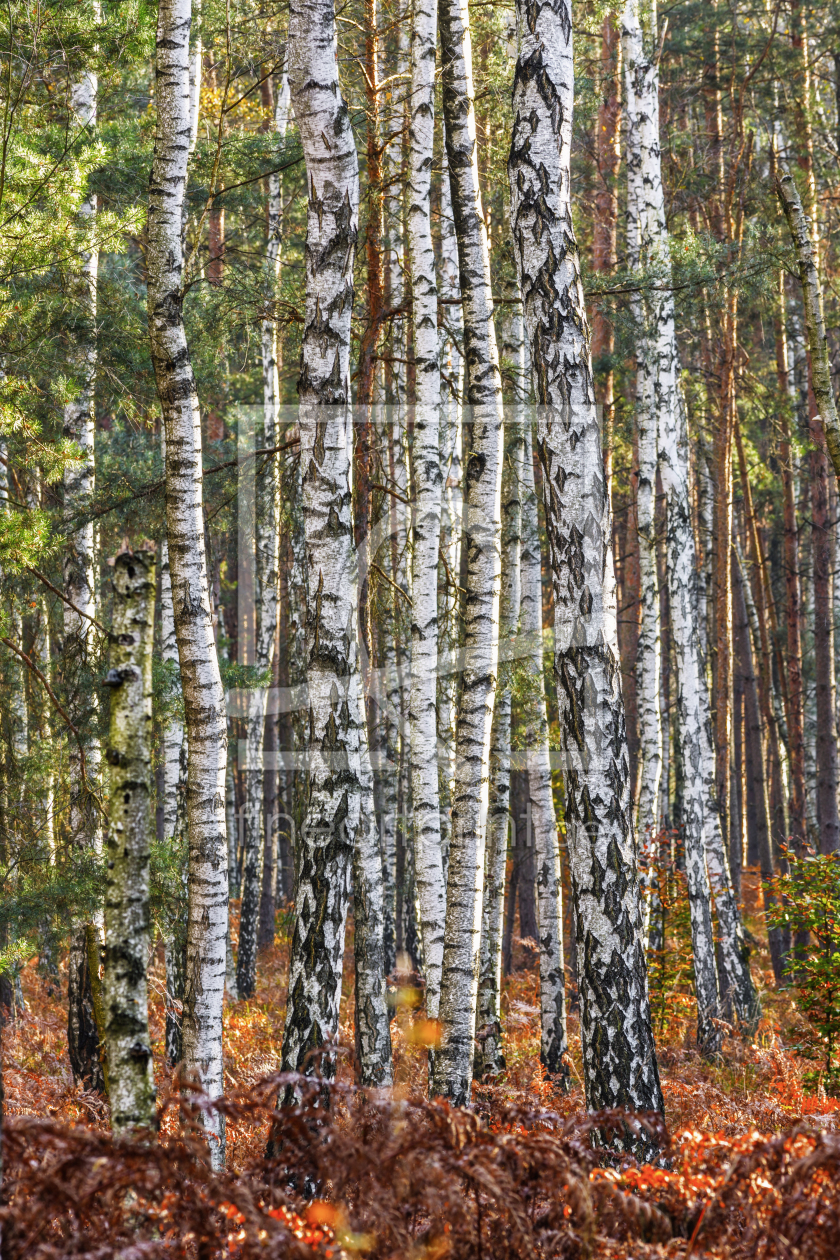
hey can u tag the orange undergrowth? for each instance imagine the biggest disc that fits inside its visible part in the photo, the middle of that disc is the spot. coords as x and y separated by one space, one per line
753 1167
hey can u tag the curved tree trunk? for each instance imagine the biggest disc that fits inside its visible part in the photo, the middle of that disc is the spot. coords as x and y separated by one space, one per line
618 1052
131 1082
482 440
204 699
327 840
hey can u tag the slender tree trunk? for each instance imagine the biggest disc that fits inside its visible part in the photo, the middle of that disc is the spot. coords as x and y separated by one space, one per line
373 1030
131 1084
80 584
707 863
489 1059
204 699
618 1052
482 494
431 892
549 880
604 229
267 543
640 89
753 723
452 508
823 421
328 836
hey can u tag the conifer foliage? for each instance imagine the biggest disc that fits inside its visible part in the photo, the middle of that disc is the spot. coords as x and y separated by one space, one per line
433 801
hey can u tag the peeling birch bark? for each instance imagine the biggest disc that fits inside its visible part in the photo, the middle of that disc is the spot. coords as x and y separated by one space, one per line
452 1074
131 1082
618 1052
204 699
327 840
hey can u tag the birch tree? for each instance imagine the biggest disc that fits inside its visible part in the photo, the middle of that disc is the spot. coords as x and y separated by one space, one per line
373 1027
489 1059
707 865
549 880
618 1053
333 791
482 493
80 565
452 504
204 699
425 793
649 655
267 543
131 1083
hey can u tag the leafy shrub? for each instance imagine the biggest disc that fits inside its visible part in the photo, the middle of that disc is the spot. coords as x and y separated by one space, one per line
809 904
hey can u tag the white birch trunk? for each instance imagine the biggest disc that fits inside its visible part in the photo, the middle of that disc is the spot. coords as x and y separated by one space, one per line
428 868
618 1052
489 1059
373 1028
482 477
173 734
452 507
131 1082
549 879
707 863
814 318
649 657
204 699
80 587
333 790
79 427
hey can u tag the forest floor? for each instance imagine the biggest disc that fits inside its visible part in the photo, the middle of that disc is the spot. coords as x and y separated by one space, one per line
715 1112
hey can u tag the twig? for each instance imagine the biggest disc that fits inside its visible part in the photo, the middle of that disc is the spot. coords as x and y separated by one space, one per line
67 601
30 664
374 485
391 582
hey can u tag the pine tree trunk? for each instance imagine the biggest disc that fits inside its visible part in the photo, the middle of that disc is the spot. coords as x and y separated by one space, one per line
327 841
204 699
482 492
489 1059
131 1084
618 1052
549 881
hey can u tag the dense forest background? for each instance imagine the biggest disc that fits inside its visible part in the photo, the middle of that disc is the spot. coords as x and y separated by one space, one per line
407 821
